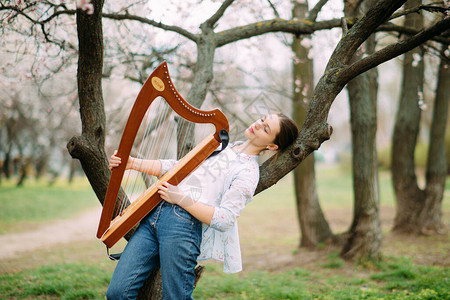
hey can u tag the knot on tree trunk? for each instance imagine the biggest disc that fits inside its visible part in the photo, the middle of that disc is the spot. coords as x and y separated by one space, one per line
322 132
311 140
77 145
318 134
89 154
297 152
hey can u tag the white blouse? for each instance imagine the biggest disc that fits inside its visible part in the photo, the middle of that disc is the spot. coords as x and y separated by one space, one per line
227 182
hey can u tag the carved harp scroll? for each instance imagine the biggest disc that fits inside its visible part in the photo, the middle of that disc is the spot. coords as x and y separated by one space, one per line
159 84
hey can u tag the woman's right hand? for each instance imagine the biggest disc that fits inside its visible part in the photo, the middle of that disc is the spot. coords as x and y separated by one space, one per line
115 161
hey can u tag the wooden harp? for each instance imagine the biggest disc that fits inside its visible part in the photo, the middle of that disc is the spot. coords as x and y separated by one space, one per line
158 86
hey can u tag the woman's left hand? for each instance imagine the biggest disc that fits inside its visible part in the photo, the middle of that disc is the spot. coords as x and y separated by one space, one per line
173 194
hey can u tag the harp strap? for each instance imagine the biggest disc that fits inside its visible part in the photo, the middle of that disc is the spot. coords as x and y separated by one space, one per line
115 256
224 138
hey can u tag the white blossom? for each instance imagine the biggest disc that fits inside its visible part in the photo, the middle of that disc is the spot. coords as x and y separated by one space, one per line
416 59
421 102
85 5
306 43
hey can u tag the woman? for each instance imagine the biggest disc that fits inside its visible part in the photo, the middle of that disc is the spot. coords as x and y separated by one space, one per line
172 235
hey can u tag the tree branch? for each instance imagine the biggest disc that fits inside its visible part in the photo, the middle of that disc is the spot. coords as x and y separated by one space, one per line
428 7
344 26
298 27
393 50
219 13
315 130
314 12
361 30
274 9
379 15
411 31
177 29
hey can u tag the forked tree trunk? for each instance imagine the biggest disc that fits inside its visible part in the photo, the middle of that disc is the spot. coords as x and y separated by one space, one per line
422 212
364 235
430 218
313 225
419 211
410 198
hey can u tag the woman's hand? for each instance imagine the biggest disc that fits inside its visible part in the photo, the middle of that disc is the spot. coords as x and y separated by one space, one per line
115 161
174 195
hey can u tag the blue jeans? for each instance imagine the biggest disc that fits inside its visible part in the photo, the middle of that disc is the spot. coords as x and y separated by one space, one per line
168 236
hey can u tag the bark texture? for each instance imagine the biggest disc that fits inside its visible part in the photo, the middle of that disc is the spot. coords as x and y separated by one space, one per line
364 235
419 211
313 225
430 218
409 196
89 147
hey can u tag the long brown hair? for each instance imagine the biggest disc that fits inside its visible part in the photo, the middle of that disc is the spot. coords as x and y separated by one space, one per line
288 132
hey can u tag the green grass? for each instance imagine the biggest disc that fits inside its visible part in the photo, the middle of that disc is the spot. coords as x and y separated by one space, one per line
62 281
37 202
335 187
394 278
81 271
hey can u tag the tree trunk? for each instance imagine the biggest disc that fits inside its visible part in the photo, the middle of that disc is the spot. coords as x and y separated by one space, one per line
313 226
41 165
447 131
410 198
23 163
447 141
203 76
89 147
6 168
430 218
364 235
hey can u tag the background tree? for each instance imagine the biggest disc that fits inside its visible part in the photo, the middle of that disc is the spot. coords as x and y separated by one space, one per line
313 225
418 210
430 218
364 235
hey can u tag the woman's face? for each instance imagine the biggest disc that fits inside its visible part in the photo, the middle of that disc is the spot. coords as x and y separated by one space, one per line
262 132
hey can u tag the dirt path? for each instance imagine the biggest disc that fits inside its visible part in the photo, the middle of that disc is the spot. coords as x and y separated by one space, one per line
276 255
81 227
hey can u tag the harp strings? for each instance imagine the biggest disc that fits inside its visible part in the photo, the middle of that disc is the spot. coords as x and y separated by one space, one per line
157 138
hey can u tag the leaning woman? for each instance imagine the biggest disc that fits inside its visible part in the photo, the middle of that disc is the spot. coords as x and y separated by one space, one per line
197 220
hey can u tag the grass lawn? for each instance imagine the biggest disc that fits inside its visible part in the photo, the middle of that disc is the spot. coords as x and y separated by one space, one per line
274 267
23 208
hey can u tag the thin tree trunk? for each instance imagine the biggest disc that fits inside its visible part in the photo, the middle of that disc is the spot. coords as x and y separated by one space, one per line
447 141
23 170
430 218
410 198
364 235
41 165
202 80
7 162
313 225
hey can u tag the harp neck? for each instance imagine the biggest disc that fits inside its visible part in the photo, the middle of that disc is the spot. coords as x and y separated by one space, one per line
161 81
